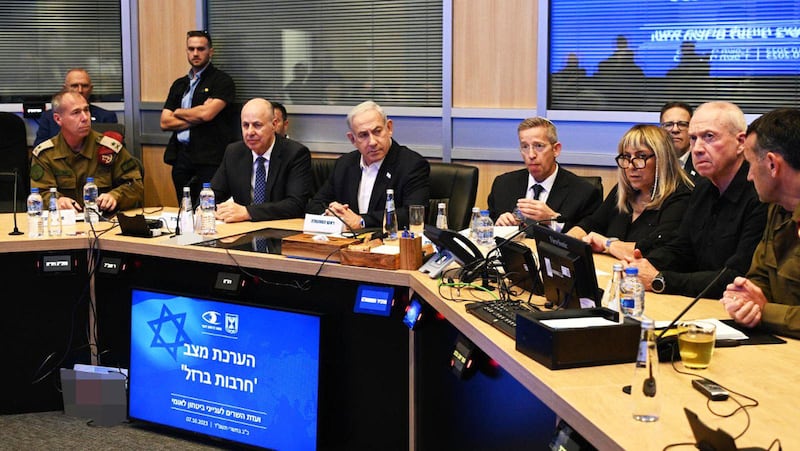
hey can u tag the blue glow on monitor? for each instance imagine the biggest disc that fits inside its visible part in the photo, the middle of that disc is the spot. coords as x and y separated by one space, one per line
236 372
374 300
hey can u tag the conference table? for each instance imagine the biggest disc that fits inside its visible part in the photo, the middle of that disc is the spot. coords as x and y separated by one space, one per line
590 399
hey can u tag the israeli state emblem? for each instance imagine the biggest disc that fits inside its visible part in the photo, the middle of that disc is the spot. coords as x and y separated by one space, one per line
231 323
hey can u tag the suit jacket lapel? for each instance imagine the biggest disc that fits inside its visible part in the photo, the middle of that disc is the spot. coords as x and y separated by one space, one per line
274 166
385 174
244 165
521 185
559 191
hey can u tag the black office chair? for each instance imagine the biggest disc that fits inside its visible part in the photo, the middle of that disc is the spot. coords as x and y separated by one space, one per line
457 186
13 156
321 168
596 181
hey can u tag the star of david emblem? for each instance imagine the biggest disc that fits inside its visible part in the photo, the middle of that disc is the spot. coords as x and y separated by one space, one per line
176 321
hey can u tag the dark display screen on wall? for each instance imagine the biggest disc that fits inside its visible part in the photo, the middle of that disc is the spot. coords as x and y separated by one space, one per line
628 53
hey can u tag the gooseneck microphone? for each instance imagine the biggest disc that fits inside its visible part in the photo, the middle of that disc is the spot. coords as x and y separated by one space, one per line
691 304
666 345
353 233
15 174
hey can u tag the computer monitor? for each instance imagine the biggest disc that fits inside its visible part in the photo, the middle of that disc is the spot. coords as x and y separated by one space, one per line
519 265
567 269
240 373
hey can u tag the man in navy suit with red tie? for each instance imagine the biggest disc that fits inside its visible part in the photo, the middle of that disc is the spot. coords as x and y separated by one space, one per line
543 190
265 176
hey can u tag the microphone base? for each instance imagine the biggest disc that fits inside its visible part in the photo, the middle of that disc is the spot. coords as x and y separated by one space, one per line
667 348
15 232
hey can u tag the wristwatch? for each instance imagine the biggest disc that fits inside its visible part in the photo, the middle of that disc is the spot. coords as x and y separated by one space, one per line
658 283
608 243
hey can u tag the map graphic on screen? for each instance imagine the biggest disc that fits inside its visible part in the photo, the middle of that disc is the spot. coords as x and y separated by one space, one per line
236 372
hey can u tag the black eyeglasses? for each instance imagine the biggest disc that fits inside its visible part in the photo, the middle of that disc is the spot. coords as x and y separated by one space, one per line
682 125
638 162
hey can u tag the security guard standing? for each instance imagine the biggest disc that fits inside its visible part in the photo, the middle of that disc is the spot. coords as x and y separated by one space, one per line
77 152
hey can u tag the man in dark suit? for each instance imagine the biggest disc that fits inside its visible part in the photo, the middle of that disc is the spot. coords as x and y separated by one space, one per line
281 119
356 189
265 176
76 80
674 119
543 190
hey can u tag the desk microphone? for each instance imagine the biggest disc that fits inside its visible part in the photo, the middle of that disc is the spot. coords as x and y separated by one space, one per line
353 233
666 345
15 174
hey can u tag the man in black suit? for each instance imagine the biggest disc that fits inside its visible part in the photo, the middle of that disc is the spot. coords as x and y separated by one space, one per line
356 189
265 176
543 190
674 119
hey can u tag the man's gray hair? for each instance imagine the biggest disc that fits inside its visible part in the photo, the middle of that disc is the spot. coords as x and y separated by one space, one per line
363 107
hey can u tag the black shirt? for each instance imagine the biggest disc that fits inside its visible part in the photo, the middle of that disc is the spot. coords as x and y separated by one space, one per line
651 229
718 230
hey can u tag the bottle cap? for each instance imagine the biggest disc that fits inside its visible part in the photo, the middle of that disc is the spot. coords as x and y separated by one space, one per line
89 179
206 184
632 270
53 189
441 205
34 190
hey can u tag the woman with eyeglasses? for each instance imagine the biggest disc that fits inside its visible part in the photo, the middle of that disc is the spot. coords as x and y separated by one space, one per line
646 206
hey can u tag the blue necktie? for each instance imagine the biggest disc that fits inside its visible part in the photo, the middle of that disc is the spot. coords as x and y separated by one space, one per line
186 102
260 184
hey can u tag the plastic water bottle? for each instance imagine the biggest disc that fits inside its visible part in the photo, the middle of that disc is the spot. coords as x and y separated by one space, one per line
208 224
35 221
485 229
90 212
53 215
441 216
187 218
473 223
645 392
390 217
631 293
611 295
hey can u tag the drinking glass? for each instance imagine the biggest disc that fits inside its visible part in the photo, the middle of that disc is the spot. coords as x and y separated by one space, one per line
696 343
416 219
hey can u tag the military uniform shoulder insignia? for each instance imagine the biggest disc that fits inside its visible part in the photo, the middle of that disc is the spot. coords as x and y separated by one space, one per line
44 145
111 143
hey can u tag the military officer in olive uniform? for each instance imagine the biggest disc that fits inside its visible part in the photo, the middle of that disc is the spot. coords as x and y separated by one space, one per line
77 152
